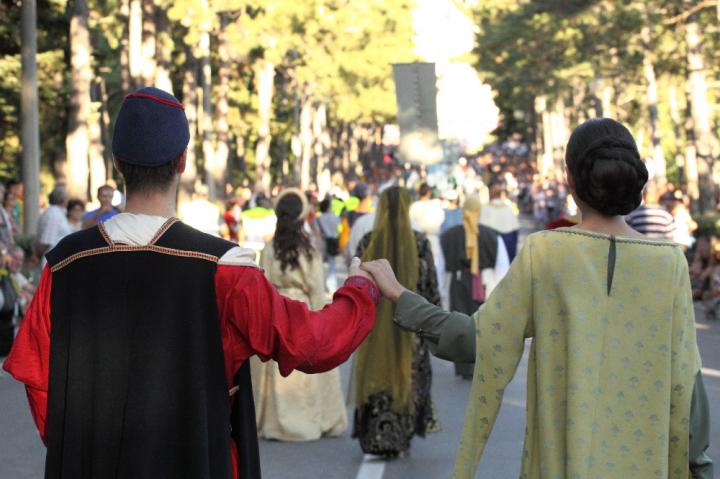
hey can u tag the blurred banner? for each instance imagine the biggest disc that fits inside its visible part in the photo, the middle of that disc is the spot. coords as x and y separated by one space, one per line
416 93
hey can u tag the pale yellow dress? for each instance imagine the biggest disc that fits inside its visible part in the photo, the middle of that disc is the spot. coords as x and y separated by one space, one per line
300 407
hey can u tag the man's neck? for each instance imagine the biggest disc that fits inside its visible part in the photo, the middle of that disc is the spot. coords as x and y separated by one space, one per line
152 204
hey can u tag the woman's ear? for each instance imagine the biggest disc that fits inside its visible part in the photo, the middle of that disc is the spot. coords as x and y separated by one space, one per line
570 180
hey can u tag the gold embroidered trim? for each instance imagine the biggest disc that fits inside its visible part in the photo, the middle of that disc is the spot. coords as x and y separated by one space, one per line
619 239
166 226
118 248
105 234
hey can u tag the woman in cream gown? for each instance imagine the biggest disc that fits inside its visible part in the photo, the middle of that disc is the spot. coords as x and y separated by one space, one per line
300 407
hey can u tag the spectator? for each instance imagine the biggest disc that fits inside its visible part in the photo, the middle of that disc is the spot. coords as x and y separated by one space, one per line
702 267
258 223
25 289
361 193
16 188
651 219
684 224
231 218
329 225
201 213
105 212
429 215
453 212
711 278
75 214
53 224
8 227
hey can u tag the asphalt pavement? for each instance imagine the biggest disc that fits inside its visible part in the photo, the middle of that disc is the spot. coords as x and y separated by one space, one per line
22 453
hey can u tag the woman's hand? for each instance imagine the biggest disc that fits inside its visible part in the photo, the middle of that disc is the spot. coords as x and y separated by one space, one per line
385 278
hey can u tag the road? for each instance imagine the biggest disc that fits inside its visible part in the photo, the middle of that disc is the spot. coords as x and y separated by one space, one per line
22 453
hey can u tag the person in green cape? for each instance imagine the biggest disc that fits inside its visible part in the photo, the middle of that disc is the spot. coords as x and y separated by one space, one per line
614 384
391 376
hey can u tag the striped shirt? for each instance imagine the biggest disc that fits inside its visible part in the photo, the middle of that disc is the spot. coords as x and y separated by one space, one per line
653 221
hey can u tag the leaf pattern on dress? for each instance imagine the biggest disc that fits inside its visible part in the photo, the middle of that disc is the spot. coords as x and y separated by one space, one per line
609 377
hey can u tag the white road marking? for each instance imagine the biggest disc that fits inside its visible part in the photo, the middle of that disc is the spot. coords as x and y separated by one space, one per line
372 467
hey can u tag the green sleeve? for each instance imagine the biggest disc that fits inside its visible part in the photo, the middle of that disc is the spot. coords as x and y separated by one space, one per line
701 465
449 336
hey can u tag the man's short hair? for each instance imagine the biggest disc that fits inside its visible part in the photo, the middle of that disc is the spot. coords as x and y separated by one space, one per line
424 190
105 187
148 178
57 196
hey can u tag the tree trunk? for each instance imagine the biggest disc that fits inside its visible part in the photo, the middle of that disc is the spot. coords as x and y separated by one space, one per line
105 127
135 30
677 131
30 128
306 140
125 47
607 101
691 162
222 148
658 158
190 100
706 144
559 137
163 50
96 151
265 78
322 144
205 118
77 140
546 159
148 43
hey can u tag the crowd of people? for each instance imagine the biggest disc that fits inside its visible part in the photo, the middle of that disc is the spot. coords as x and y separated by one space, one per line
426 248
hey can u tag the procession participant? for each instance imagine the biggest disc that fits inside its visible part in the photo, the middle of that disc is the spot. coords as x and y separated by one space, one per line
501 214
132 377
476 260
391 373
614 388
300 407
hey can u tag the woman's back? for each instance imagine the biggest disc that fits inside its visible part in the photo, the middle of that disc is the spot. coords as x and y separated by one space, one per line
304 282
613 359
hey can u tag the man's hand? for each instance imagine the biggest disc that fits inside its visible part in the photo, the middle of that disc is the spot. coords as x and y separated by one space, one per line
385 279
356 271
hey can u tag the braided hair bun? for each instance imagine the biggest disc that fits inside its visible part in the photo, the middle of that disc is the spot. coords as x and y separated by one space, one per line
604 160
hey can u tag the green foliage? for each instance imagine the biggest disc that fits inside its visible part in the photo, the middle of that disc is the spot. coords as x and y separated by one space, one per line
52 84
571 49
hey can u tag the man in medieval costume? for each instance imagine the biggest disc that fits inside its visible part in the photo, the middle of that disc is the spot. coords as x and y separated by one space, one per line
134 351
476 260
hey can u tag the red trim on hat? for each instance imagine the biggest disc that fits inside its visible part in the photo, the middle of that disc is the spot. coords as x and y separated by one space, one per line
157 99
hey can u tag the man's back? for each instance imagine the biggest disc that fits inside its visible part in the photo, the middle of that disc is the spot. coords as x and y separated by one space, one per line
137 385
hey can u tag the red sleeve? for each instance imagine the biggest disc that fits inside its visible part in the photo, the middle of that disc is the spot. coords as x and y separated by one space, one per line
256 319
29 359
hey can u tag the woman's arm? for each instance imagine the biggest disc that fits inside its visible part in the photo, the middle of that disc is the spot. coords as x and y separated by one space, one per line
701 466
449 336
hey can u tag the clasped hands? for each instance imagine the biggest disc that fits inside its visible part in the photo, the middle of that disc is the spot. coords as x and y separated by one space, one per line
381 273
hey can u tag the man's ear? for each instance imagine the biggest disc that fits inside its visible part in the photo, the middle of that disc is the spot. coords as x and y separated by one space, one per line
182 163
115 164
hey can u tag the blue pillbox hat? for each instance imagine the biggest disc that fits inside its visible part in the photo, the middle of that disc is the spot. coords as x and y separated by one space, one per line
151 128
